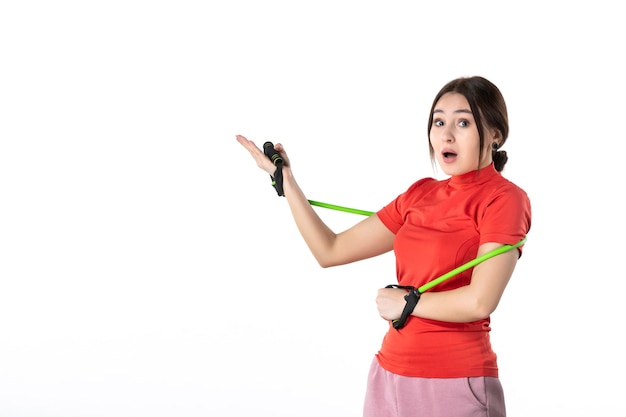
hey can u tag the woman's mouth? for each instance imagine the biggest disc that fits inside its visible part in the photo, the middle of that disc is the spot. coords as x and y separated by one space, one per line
448 156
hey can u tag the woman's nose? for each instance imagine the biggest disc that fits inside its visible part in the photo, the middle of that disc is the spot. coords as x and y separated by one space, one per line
447 135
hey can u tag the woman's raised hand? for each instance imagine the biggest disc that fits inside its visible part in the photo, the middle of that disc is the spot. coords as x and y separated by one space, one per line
259 156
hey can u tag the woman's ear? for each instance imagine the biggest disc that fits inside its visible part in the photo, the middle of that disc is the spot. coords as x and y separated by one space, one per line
496 136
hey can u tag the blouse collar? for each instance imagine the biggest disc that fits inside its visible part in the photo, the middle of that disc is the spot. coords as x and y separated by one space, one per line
477 177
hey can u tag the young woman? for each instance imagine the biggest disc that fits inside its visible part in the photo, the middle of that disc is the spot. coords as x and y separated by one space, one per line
436 359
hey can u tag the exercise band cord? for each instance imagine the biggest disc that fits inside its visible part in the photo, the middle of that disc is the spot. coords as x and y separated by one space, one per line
439 280
277 183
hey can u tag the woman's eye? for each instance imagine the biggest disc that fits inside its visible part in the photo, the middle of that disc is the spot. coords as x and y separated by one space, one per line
463 123
438 123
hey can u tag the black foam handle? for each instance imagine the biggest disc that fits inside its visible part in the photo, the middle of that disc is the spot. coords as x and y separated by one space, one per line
272 154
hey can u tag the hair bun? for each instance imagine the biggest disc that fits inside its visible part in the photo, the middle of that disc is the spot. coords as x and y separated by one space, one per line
499 160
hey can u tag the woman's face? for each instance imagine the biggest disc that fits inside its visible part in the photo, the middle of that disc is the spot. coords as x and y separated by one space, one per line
454 136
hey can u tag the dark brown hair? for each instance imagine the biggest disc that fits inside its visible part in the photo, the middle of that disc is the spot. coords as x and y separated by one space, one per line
486 102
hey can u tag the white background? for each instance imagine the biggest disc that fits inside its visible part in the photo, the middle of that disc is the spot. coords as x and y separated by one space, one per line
148 268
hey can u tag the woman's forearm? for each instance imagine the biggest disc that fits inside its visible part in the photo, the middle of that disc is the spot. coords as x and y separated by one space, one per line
318 237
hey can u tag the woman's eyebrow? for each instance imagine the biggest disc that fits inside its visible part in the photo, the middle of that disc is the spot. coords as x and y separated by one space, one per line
456 111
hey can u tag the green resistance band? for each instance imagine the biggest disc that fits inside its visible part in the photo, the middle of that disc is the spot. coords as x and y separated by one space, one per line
468 265
442 278
341 208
